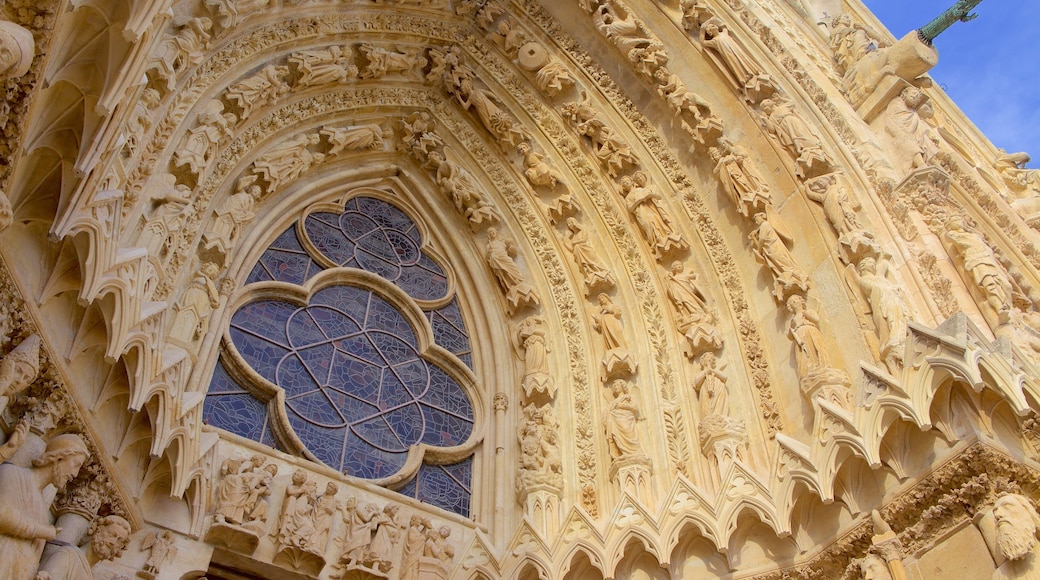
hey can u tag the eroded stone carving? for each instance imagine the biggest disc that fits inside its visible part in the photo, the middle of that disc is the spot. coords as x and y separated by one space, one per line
596 276
19 369
264 88
357 138
613 153
323 67
288 160
537 171
186 49
235 212
693 111
771 249
110 537
740 180
906 126
499 253
696 321
172 203
889 307
383 61
794 134
161 550
816 377
194 308
1024 185
17 49
855 241
618 360
241 512
231 12
25 521
541 462
979 263
458 184
297 533
201 143
621 421
742 70
414 542
533 348
646 207
694 12
723 438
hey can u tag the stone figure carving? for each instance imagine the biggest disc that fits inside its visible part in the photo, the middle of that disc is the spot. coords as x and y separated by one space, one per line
234 213
264 88
500 124
356 138
17 49
25 520
231 12
905 123
499 253
850 41
353 540
979 262
626 33
613 153
162 550
14 440
19 369
509 37
382 61
770 248
794 134
110 537
296 529
141 120
201 143
196 305
386 532
414 542
419 136
1017 523
606 320
529 337
693 111
183 50
541 462
457 183
63 561
325 509
855 241
172 205
241 500
804 330
324 67
594 274
889 307
873 567
710 385
645 205
1024 185
553 78
437 553
536 170
874 76
694 12
620 422
287 161
695 320
739 179
743 71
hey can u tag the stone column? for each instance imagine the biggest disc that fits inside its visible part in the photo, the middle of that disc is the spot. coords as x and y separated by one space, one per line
501 405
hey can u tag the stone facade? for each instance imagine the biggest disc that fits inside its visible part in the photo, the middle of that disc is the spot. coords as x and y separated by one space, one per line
707 289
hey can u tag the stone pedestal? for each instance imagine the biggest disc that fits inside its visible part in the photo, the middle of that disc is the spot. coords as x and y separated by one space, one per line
632 474
431 569
302 561
827 383
542 506
723 440
618 363
235 538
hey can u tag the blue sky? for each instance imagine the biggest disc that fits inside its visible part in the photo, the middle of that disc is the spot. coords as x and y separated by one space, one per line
990 66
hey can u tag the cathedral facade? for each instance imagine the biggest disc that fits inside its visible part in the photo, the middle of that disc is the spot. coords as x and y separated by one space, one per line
482 289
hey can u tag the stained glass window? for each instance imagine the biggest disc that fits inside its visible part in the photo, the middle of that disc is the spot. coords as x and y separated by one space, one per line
357 392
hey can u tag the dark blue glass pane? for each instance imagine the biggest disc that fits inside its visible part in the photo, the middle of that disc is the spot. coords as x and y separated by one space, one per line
447 395
222 383
266 318
260 353
438 486
240 414
259 274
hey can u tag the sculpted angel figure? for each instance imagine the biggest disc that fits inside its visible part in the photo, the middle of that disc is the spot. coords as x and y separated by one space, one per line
621 422
889 308
288 160
716 37
534 350
201 142
740 181
322 67
236 211
772 251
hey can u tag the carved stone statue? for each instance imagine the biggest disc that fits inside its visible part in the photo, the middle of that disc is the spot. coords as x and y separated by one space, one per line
296 528
162 549
695 319
509 37
794 134
325 508
234 213
710 386
386 532
264 88
19 369
185 49
804 330
17 49
840 211
906 125
241 512
536 170
414 542
612 152
195 306
739 179
873 567
607 322
541 462
620 422
979 262
288 160
25 519
1017 523
771 250
1022 183
889 308
172 210
110 537
382 61
694 12
502 126
533 349
744 72
645 205
322 67
850 41
353 138
354 538
201 143
594 274
457 183
695 113
499 253
437 552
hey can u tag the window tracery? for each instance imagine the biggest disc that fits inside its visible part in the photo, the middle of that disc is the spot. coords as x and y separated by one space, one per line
341 376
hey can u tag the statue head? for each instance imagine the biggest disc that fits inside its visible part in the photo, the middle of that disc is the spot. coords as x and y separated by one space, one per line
17 49
1017 523
867 264
912 96
331 488
523 148
351 502
111 536
760 217
572 224
271 469
767 105
299 477
603 298
677 267
715 153
708 360
444 532
626 185
415 521
796 303
640 178
874 568
20 367
64 454
492 233
712 27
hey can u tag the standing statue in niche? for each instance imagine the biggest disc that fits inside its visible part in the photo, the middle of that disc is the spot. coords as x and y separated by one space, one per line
323 67
196 305
19 369
695 320
593 273
501 125
739 179
288 161
202 142
746 74
229 219
1017 523
978 261
457 183
25 521
771 249
906 125
804 330
710 385
889 307
620 423
855 241
536 170
414 542
264 88
618 361
795 136
499 253
17 49
533 348
646 207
